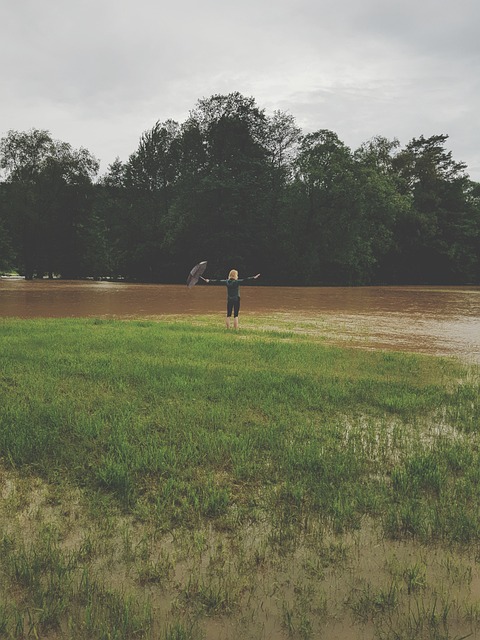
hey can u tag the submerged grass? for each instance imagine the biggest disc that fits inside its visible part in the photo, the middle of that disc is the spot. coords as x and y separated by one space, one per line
183 428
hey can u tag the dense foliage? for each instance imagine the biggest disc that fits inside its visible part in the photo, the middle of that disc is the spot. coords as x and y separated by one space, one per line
241 189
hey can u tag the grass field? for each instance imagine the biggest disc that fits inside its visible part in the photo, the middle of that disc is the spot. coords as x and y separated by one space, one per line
174 480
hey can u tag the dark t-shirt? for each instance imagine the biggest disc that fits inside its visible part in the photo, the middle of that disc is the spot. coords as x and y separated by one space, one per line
233 286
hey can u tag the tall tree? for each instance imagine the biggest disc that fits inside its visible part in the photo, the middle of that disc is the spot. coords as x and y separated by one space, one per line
386 205
113 213
232 190
51 189
435 239
23 157
325 190
150 177
185 223
282 143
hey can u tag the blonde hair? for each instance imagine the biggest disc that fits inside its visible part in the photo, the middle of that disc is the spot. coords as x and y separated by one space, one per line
233 275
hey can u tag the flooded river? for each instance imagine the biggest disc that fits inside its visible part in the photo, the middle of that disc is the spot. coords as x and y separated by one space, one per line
436 320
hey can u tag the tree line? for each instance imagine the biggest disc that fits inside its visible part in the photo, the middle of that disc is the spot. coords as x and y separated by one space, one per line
241 189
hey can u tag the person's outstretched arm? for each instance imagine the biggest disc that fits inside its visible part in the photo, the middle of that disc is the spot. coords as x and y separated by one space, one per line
207 280
249 278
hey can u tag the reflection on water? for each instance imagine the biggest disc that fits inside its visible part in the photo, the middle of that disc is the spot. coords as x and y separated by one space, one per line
442 320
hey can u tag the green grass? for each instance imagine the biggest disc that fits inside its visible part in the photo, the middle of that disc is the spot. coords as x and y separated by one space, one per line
188 422
192 428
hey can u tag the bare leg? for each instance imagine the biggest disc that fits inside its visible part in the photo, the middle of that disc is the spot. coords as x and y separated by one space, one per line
235 323
227 322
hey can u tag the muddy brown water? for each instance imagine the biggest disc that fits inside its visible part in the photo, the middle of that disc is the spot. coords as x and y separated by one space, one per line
435 320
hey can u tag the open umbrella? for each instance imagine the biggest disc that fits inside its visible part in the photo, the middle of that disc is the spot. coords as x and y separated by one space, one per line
195 273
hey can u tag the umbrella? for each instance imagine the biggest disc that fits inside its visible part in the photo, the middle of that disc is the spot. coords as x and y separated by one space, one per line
195 273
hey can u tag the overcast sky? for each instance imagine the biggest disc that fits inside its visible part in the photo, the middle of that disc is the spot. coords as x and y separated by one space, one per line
97 73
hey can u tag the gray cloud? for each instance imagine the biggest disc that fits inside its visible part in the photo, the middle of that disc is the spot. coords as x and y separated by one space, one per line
97 74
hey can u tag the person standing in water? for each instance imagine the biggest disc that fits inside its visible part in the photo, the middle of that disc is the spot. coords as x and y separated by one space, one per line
233 295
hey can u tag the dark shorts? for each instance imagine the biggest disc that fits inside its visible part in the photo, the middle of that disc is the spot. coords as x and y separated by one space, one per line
233 305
